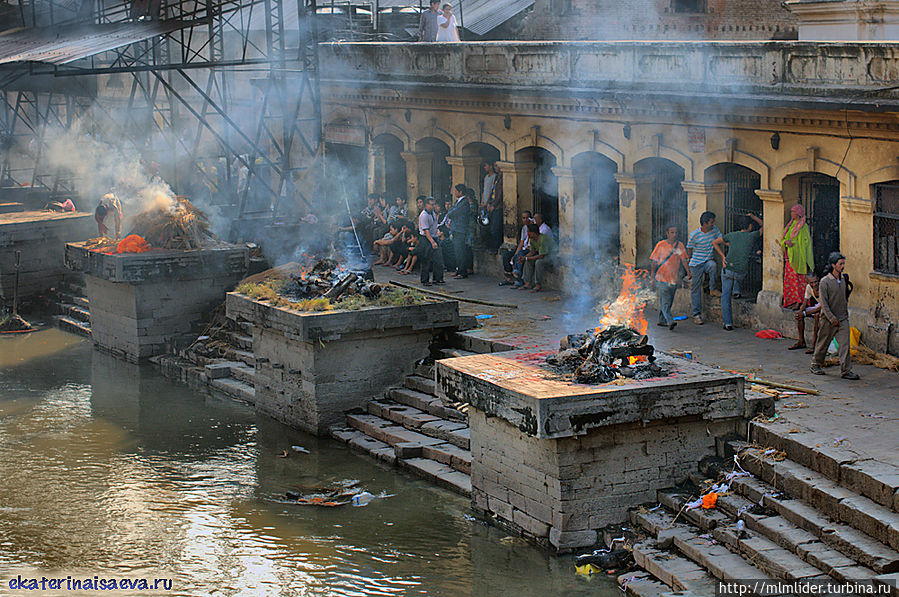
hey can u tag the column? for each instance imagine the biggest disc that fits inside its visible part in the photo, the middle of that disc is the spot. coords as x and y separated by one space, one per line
567 231
773 212
518 195
376 169
467 170
627 217
418 175
703 197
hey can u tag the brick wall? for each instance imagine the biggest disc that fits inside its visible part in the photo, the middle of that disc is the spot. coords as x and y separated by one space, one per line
655 20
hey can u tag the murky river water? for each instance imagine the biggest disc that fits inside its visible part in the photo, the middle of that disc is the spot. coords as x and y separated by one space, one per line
109 468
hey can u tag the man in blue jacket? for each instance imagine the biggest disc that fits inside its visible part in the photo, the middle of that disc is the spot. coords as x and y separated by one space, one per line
459 216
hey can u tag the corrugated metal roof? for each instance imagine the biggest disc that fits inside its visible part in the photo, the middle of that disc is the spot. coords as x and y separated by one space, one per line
478 16
64 45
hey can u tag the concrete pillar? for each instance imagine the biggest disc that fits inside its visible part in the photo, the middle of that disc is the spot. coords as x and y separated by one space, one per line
377 167
772 229
518 195
627 217
703 197
467 170
567 231
418 174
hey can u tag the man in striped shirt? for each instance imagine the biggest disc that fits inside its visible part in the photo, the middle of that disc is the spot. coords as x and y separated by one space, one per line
700 249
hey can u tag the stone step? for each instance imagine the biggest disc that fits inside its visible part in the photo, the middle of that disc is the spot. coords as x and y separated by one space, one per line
709 555
401 414
234 388
888 580
246 326
242 372
357 440
238 354
66 323
833 500
851 543
387 431
875 480
81 301
766 555
673 570
236 339
421 384
75 312
439 473
452 353
426 402
450 455
642 584
424 370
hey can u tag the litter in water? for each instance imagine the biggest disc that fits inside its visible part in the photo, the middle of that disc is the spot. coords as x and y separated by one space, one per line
300 449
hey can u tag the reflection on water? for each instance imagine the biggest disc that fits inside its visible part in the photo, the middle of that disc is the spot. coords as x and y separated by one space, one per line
109 467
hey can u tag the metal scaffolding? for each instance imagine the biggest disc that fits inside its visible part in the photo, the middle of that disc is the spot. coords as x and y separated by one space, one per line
228 89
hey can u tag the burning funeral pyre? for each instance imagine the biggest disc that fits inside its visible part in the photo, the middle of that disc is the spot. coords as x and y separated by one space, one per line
322 284
618 347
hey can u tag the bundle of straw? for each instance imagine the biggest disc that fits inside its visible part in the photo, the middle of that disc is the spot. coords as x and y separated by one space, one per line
181 226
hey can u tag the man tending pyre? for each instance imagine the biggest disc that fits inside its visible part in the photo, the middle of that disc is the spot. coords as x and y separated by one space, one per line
109 204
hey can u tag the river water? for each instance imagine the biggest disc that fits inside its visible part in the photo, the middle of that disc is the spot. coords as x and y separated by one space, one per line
110 469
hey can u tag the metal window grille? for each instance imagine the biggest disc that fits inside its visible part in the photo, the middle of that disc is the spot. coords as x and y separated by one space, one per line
819 194
886 228
740 199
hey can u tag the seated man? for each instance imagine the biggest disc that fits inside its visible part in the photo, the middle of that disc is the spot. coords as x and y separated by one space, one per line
382 245
810 307
538 260
512 265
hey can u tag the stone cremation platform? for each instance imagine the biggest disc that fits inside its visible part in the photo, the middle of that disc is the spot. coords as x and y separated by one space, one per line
40 238
556 461
143 302
313 367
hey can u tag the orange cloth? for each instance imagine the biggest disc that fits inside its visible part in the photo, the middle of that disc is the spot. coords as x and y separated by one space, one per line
668 271
132 244
709 500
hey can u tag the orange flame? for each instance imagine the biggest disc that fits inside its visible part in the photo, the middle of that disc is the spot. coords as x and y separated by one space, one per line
627 309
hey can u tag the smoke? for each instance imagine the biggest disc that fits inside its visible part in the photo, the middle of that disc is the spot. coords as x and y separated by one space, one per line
98 167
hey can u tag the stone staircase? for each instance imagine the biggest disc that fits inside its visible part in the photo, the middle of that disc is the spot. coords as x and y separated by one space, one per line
223 362
412 428
73 308
800 514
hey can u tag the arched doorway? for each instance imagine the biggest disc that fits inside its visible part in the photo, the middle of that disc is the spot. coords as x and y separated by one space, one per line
393 167
740 199
819 194
441 172
596 206
669 200
545 185
486 154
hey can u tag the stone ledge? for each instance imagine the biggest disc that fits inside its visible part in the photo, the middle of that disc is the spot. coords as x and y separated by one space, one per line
541 405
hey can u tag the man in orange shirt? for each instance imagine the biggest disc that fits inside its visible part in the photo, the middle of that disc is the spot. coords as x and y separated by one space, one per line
667 257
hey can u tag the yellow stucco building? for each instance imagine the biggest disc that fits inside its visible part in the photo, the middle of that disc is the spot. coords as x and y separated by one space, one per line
614 141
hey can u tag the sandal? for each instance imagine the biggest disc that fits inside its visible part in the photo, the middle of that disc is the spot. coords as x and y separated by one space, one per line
797 346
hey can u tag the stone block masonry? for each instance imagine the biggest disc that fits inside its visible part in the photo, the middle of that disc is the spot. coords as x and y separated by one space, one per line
143 303
311 368
40 238
558 461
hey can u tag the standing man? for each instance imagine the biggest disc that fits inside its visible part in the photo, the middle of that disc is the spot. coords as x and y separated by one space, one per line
109 204
700 249
740 244
430 21
431 255
833 292
667 257
459 219
492 204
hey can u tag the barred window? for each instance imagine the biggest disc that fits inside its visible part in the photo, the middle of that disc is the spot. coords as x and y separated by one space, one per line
886 228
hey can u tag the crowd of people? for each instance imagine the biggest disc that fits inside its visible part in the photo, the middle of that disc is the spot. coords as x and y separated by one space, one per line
823 299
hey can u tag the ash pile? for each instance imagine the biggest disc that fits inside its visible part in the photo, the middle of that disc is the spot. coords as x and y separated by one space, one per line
601 356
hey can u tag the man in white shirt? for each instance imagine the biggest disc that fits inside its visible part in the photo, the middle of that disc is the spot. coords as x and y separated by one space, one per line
544 227
512 265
